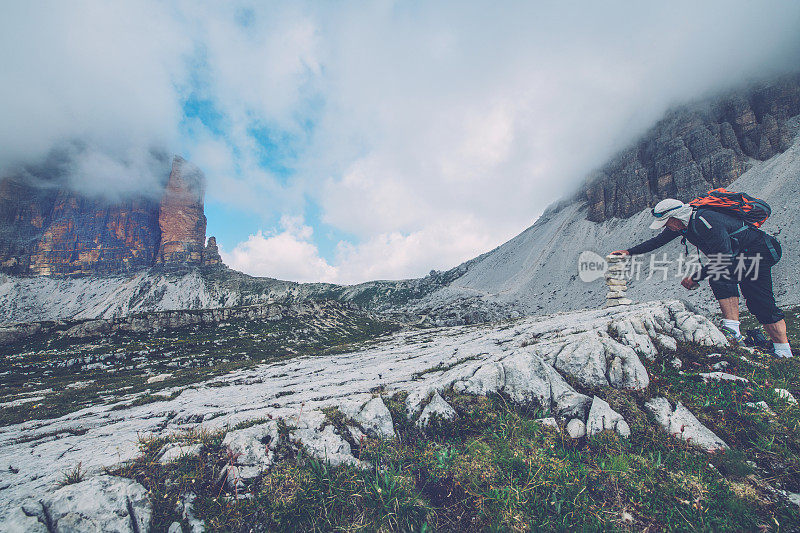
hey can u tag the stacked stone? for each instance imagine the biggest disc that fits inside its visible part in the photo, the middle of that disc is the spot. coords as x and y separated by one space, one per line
615 279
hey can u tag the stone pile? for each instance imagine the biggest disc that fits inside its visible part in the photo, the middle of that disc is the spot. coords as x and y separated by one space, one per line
615 279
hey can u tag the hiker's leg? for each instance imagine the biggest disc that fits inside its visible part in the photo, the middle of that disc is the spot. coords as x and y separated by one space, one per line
777 331
760 300
730 308
726 292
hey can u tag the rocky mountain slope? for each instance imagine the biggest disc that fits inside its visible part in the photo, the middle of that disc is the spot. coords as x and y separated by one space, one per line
695 148
746 140
538 270
47 228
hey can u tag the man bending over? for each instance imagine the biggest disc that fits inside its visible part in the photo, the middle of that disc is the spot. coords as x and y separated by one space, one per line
739 256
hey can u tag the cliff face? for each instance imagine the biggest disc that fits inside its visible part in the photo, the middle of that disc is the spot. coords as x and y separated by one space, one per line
181 218
91 236
694 149
51 230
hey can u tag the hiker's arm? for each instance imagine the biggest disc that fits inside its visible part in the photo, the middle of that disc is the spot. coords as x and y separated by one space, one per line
718 249
656 242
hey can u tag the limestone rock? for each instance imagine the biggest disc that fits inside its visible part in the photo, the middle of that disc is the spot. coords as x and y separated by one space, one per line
28 518
681 423
548 422
691 327
437 408
356 434
598 361
101 503
171 452
158 378
613 302
786 395
327 446
253 447
602 417
180 218
186 508
528 380
231 477
576 428
373 416
211 255
721 376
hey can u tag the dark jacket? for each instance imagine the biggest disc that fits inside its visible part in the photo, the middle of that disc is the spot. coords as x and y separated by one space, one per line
710 231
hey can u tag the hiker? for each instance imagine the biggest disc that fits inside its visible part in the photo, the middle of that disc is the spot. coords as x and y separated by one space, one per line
740 255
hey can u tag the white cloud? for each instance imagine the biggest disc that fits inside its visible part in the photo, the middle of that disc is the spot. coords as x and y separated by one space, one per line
431 132
101 74
288 255
395 255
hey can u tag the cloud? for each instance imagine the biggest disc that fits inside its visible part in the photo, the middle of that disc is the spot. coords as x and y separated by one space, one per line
88 73
288 254
394 255
400 121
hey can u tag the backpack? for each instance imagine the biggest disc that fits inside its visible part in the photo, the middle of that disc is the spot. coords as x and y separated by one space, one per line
751 210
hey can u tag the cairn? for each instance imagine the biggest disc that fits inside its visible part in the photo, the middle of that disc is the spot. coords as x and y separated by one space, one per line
615 279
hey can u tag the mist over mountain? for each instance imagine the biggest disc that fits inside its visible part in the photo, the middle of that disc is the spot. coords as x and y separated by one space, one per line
405 137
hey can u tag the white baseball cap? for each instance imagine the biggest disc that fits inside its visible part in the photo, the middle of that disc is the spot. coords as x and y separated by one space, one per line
669 207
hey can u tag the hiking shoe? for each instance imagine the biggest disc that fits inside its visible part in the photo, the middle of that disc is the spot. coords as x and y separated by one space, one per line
756 339
734 338
771 351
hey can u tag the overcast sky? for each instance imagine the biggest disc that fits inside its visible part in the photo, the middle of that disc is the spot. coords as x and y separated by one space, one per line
348 141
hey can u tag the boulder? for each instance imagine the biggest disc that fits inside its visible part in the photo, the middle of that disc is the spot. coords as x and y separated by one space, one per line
602 417
528 380
548 422
173 451
326 445
721 376
373 416
437 408
576 428
253 447
159 378
786 395
681 423
100 503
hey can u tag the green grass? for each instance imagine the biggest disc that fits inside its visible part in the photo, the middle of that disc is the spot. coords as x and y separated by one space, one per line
494 469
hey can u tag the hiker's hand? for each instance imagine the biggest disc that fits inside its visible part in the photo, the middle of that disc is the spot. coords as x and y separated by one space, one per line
689 283
620 252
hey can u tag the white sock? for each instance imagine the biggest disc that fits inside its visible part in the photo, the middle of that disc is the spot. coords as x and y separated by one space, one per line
782 349
732 324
